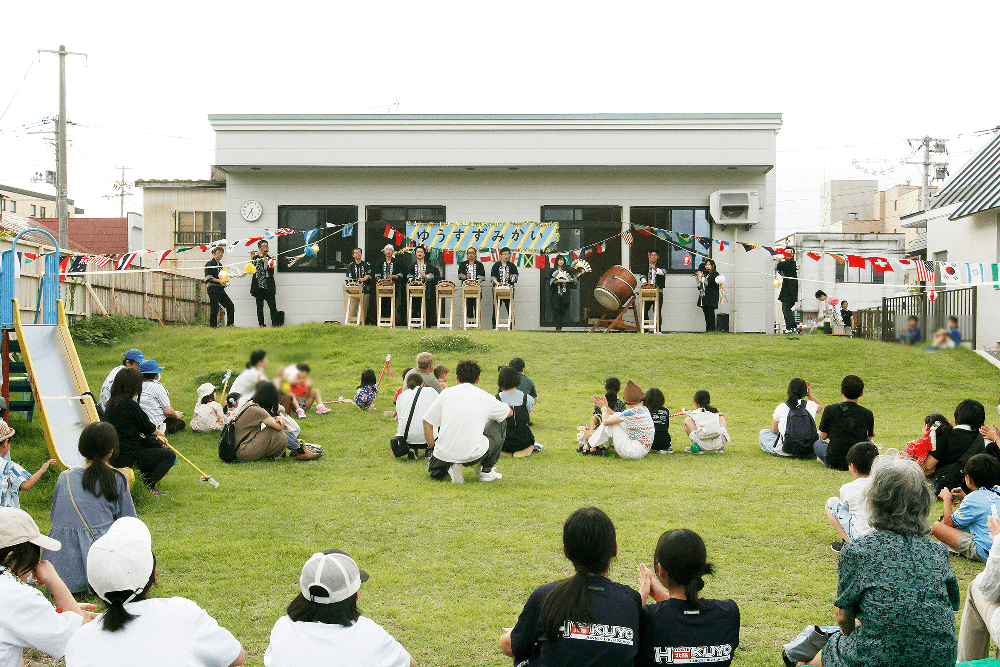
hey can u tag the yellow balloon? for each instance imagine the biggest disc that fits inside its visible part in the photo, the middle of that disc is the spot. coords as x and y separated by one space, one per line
777 283
315 247
223 275
251 269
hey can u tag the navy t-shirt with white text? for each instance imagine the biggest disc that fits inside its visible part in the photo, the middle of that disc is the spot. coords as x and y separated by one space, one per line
673 632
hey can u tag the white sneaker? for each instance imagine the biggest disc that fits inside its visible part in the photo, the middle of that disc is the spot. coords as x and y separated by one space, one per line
455 471
489 476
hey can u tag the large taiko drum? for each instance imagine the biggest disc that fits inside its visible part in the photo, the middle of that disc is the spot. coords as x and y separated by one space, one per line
615 288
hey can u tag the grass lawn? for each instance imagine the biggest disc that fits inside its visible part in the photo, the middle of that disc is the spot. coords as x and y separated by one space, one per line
452 565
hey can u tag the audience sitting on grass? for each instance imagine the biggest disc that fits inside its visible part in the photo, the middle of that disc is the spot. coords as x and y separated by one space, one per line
155 400
425 369
844 424
85 503
261 433
947 339
14 478
706 426
301 387
518 439
653 400
935 426
911 334
246 383
895 580
980 622
964 530
526 385
28 619
471 427
944 463
367 390
848 513
132 360
630 431
138 629
586 619
140 444
324 624
806 407
424 398
680 623
612 386
208 412
441 375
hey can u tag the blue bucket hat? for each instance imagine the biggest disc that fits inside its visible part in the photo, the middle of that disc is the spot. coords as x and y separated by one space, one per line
150 366
134 355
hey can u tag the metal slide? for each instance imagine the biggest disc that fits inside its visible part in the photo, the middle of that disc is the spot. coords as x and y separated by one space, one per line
57 381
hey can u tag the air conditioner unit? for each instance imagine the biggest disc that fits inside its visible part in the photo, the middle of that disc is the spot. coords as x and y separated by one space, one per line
735 207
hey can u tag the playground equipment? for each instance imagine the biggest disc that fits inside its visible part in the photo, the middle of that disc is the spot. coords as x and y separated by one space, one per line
48 357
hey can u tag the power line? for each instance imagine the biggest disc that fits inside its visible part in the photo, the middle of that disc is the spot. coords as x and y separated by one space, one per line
14 96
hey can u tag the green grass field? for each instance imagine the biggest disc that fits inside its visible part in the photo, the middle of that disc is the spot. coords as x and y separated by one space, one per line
452 565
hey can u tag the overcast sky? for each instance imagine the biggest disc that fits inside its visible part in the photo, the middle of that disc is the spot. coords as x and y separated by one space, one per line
853 80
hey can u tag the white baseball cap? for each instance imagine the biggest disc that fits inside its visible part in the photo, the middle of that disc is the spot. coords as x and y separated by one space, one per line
122 559
17 527
336 573
205 389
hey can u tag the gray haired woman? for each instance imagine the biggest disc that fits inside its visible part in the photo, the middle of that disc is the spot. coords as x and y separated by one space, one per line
896 594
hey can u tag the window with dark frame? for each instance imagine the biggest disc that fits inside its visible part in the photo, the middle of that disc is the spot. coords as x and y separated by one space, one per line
43 212
198 227
333 248
693 221
379 217
851 274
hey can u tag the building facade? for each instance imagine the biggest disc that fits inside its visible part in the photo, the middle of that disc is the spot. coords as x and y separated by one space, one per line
593 174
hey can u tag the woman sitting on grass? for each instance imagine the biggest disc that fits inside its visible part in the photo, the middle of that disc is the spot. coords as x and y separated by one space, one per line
260 430
772 439
612 386
680 617
85 503
561 620
706 426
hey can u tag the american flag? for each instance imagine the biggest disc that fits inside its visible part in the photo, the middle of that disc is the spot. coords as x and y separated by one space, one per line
627 237
925 271
99 260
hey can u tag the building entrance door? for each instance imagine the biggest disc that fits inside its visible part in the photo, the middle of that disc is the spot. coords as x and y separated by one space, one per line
583 305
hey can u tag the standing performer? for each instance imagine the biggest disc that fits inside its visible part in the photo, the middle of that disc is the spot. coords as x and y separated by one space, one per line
392 268
655 276
361 271
217 289
708 286
789 293
471 269
560 283
503 273
428 275
262 286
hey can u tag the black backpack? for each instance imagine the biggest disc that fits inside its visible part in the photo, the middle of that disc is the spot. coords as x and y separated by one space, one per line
800 433
227 440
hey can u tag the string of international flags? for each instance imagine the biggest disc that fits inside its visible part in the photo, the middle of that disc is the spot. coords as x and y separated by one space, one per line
488 244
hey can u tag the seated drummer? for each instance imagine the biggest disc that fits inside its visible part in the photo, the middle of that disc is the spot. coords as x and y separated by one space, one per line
503 273
471 269
360 271
654 276
424 273
392 268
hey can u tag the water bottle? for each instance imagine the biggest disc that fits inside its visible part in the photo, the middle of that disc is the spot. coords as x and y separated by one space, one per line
695 448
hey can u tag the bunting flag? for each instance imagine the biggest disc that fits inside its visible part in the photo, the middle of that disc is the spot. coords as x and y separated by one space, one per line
98 260
949 272
840 258
723 244
642 229
400 238
747 247
29 257
705 242
771 250
996 275
685 240
389 231
880 264
856 261
925 271
78 266
976 273
63 265
601 247
163 256
125 261
627 237
348 231
813 256
449 256
539 261
309 235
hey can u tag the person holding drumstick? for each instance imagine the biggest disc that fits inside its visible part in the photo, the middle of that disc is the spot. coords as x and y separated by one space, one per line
392 269
504 273
471 269
655 276
361 271
424 273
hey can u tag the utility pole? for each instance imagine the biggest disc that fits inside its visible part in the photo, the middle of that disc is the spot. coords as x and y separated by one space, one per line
939 146
62 207
122 186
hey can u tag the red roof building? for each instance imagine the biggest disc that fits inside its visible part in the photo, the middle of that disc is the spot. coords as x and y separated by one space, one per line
95 236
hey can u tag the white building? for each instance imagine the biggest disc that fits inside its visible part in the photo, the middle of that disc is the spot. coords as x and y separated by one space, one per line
845 201
594 174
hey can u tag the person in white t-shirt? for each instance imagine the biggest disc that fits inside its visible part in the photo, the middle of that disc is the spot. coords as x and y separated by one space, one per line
471 425
771 439
404 402
848 514
132 360
27 619
164 632
324 621
155 400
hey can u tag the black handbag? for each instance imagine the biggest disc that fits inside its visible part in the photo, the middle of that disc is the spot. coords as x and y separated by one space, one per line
398 444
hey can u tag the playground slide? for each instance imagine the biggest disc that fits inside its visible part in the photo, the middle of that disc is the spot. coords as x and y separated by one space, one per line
57 382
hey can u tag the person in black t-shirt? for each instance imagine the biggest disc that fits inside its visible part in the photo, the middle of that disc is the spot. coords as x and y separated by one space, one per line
653 400
844 424
946 460
682 626
217 280
586 620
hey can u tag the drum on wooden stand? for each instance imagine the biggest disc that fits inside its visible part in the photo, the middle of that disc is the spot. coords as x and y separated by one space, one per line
615 288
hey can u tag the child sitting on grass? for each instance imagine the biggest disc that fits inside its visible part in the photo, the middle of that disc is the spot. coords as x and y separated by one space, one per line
14 478
936 427
965 531
301 387
848 514
706 426
367 391
441 375
653 400
208 413
232 402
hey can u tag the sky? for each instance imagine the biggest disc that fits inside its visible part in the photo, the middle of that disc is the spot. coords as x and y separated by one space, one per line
853 80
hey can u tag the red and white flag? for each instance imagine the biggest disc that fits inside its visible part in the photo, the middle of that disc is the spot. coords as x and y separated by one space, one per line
601 247
627 237
722 244
813 256
125 261
163 256
98 260
388 232
880 264
925 271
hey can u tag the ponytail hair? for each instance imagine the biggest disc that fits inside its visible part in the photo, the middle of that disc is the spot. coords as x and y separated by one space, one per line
590 543
682 555
612 386
704 400
797 390
98 440
116 617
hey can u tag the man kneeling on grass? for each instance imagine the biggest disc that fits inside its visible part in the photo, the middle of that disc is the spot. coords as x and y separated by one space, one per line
471 428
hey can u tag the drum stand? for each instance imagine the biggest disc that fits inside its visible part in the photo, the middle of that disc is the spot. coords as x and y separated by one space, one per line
613 318
354 296
505 293
472 293
414 292
445 290
649 294
386 292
